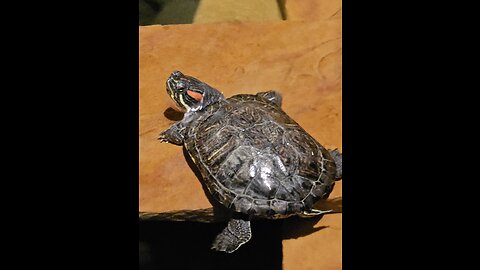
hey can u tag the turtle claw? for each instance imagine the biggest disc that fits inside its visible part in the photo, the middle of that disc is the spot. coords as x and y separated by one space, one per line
172 135
221 245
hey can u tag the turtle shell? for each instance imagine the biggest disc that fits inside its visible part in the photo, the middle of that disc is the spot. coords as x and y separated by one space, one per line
256 160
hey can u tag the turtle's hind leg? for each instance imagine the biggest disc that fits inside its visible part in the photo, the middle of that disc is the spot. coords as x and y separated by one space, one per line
337 157
236 233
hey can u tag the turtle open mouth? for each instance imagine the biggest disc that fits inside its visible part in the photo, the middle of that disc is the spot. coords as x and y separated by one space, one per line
185 97
189 93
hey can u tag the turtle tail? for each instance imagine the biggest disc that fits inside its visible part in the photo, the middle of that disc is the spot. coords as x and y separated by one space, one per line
337 157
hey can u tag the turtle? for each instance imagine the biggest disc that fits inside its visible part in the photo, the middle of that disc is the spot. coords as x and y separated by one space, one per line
254 159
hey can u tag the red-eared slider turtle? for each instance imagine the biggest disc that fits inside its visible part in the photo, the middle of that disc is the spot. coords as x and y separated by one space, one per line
255 160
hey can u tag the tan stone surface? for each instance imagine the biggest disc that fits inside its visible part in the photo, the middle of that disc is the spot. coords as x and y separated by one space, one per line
318 250
302 60
313 9
210 11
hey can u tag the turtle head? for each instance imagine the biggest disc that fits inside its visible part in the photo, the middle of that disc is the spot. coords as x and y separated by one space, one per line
189 93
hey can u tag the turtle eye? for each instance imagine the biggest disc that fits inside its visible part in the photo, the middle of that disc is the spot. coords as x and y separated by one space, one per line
176 75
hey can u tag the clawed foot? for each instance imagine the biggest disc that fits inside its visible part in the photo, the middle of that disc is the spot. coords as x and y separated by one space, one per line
237 233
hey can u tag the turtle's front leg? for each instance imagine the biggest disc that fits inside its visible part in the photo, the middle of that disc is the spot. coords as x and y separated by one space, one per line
272 96
175 134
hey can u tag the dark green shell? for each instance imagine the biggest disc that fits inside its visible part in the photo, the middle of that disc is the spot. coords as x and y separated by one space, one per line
256 160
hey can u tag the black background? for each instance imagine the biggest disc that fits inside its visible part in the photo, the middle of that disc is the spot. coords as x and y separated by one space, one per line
71 179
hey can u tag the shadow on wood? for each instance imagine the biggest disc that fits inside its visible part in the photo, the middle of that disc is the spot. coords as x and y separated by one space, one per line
186 245
173 114
295 227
